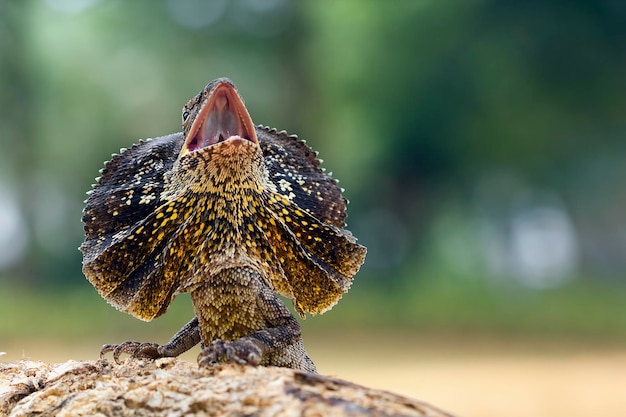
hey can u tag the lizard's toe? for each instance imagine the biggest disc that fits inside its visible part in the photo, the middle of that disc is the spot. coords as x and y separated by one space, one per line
242 351
106 349
136 350
147 350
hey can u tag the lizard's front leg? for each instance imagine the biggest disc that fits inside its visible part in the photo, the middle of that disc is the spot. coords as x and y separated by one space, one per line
181 342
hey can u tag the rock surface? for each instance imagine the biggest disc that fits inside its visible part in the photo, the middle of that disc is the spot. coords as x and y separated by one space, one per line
173 387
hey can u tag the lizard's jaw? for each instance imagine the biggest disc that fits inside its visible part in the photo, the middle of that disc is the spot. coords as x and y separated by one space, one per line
223 117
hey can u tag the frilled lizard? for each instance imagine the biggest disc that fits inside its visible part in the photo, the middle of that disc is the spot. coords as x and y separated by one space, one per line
232 213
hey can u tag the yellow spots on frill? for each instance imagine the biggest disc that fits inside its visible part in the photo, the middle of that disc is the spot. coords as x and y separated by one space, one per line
160 215
250 227
298 213
304 223
199 231
115 213
176 251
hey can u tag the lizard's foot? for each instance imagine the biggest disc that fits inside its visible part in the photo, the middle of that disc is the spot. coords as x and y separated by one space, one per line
244 351
136 350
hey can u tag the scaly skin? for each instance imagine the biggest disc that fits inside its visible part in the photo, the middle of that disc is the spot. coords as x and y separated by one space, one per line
231 213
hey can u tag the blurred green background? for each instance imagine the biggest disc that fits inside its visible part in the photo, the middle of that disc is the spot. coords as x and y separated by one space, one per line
481 143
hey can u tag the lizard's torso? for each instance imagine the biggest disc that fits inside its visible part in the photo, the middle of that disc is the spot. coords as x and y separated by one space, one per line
226 305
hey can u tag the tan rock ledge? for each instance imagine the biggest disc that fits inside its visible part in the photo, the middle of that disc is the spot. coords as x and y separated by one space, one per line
172 387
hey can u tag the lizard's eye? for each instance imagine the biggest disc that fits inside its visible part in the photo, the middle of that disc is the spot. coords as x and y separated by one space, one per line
185 116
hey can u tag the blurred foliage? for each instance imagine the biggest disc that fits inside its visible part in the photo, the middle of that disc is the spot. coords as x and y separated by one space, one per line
480 142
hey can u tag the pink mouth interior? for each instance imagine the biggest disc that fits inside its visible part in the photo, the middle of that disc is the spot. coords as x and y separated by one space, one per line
224 118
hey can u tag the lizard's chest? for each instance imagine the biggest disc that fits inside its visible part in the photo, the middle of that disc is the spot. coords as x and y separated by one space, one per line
226 305
220 232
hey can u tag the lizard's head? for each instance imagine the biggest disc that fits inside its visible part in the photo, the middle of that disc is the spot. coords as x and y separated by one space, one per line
216 115
221 151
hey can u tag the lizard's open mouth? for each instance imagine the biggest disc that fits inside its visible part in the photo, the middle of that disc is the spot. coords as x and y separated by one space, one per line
222 117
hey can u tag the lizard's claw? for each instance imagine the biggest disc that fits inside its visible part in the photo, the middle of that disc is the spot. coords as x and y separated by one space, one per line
243 351
136 350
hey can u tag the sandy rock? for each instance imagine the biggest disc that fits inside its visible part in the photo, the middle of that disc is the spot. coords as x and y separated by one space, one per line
172 387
